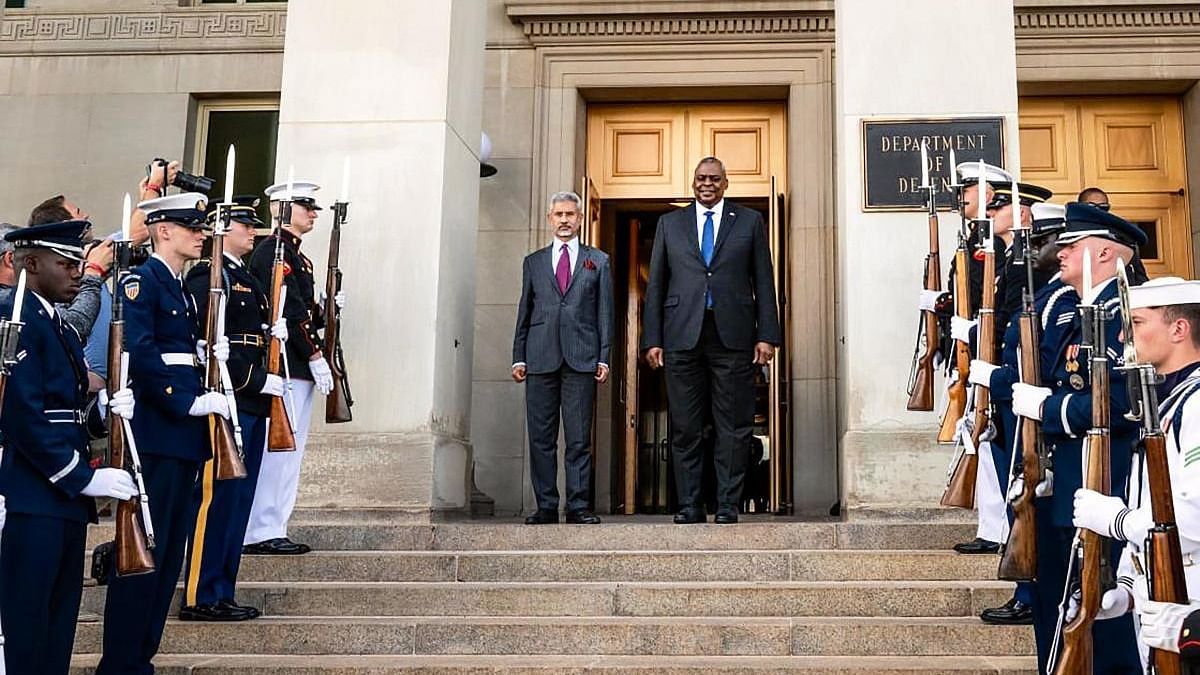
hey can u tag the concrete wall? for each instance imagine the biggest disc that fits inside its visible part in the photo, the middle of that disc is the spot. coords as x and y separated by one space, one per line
885 69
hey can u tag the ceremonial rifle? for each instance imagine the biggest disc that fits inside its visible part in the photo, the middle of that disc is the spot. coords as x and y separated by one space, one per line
920 389
10 337
280 436
956 394
1164 559
224 433
134 533
1090 573
339 400
1019 559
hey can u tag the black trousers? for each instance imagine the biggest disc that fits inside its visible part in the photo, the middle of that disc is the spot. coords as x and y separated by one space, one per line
710 376
135 609
41 583
572 392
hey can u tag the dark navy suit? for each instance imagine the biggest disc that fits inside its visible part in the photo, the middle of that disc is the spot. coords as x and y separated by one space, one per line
709 351
561 338
44 469
1066 418
223 506
160 321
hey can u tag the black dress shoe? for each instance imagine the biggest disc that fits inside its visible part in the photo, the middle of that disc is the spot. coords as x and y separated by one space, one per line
542 517
583 517
231 604
280 546
977 546
216 612
690 515
726 515
1012 613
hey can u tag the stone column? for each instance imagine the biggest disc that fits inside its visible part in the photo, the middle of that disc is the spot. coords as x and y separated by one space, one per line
396 85
909 59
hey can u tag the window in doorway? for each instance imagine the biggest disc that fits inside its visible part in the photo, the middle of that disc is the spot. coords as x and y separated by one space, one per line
14 4
251 126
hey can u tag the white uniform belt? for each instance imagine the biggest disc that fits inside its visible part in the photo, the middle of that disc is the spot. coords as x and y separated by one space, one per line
64 416
179 359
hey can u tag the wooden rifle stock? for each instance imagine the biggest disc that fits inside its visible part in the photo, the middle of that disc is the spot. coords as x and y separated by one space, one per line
339 400
1018 562
957 393
280 437
130 546
921 395
227 457
1164 557
1093 568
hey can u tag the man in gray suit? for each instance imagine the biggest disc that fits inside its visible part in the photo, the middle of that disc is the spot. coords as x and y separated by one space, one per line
710 317
560 350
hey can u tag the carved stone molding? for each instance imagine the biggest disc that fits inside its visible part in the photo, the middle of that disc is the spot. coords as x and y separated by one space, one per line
800 27
178 31
1115 21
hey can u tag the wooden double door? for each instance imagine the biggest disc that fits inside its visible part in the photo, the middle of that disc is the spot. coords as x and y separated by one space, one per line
1132 147
640 160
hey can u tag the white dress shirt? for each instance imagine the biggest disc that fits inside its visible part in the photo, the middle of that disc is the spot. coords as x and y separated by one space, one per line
556 253
718 209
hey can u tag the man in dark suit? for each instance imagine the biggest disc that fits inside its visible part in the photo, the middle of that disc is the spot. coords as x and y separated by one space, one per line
711 318
560 350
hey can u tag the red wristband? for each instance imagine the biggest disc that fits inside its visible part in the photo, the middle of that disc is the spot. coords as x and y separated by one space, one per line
94 266
156 188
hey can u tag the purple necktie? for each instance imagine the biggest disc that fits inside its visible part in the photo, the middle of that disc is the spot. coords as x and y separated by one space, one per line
563 272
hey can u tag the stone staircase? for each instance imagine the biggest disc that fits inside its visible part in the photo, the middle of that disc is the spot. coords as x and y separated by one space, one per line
874 594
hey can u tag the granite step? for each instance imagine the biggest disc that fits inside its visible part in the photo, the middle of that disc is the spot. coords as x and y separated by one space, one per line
857 598
685 636
578 665
618 534
816 565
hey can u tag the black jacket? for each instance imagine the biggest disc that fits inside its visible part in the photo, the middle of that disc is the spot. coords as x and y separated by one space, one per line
303 314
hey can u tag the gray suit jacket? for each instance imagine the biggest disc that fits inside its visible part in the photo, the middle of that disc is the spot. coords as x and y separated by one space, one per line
573 328
740 276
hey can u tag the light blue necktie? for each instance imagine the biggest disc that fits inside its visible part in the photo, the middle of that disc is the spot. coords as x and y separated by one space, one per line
706 251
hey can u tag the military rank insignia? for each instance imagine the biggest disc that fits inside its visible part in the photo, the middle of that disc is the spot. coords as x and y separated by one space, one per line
132 289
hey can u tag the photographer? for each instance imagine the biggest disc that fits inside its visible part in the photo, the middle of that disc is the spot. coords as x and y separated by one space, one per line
96 346
8 274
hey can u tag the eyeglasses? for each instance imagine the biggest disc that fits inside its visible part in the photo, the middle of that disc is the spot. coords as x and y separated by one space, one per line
1103 206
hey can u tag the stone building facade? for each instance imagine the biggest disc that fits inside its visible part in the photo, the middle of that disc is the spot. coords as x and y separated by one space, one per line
617 100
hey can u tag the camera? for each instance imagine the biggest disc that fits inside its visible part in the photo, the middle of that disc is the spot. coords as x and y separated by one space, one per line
183 180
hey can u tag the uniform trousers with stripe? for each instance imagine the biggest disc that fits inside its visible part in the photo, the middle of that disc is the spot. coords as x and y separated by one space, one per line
222 512
279 478
41 562
135 610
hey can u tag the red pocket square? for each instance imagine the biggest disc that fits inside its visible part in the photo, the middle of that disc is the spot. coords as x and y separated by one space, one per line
589 265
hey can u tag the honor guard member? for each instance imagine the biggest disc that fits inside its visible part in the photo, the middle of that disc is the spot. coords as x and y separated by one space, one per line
1064 407
223 506
171 429
1166 331
45 477
275 496
1051 298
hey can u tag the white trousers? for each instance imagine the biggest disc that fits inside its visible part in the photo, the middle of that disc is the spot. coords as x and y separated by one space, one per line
279 478
993 508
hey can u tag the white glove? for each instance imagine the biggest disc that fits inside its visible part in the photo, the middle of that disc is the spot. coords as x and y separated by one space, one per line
3 512
1097 512
928 300
115 483
210 404
322 376
981 372
1162 622
960 328
273 386
339 299
1115 602
220 350
121 403
1028 399
279 329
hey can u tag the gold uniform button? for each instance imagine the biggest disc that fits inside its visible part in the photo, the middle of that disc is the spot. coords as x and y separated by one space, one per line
169 390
